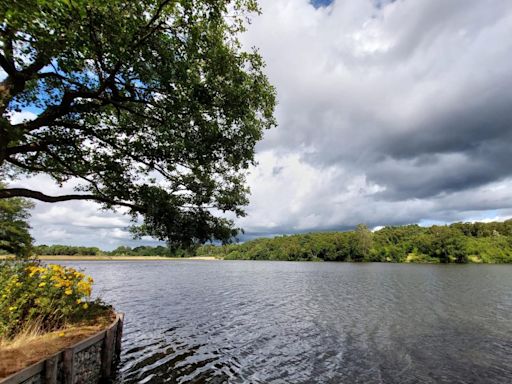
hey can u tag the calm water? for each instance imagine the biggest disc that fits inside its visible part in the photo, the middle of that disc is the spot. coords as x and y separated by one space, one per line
275 322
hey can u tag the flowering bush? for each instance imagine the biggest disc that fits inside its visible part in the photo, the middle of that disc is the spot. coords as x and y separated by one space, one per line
48 296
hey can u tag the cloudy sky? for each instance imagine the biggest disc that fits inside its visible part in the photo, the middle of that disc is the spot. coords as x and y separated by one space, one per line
389 113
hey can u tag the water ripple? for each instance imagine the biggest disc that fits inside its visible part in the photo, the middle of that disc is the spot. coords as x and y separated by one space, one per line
264 322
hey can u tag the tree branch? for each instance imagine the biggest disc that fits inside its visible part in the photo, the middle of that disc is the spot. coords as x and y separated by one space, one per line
6 58
154 18
27 167
26 148
54 112
6 65
22 192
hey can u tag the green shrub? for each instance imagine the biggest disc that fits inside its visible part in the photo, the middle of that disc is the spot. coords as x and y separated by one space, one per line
49 296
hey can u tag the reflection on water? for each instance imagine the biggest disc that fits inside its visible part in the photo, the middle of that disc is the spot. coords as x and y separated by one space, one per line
277 322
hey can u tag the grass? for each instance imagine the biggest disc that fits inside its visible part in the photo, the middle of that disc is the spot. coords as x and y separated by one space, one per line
475 259
420 259
32 344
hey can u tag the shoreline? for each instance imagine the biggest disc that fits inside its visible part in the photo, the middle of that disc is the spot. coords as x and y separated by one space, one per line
113 258
471 261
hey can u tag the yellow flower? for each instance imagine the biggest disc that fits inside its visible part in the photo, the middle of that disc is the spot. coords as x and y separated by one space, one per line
68 291
86 306
42 284
79 275
12 308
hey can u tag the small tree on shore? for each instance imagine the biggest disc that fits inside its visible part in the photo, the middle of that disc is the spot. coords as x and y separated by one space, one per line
14 229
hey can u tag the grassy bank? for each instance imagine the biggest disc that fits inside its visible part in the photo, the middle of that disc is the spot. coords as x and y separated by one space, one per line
32 345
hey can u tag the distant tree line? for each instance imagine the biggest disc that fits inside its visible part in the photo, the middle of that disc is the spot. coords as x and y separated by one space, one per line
70 250
455 243
144 251
67 250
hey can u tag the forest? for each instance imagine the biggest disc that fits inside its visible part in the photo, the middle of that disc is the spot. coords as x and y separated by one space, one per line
455 243
71 250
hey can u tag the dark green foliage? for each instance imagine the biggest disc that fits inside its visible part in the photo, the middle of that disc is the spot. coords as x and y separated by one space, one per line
445 243
361 243
457 243
146 251
70 250
152 105
66 250
14 235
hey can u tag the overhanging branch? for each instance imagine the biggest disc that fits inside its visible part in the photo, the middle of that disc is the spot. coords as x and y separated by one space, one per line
23 192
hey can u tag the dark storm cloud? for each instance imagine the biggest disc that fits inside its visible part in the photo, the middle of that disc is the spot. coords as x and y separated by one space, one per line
452 59
399 113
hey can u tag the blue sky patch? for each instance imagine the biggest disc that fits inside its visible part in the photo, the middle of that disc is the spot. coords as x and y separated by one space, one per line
321 3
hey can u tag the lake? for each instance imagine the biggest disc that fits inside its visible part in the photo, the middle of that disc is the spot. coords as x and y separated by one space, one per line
280 322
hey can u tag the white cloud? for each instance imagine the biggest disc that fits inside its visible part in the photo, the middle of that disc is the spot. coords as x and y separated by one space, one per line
20 117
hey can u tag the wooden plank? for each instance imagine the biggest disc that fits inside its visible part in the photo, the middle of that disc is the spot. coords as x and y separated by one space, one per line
89 341
107 354
111 344
119 335
51 366
68 365
24 374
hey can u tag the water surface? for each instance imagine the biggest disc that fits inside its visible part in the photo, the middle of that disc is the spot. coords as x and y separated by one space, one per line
279 322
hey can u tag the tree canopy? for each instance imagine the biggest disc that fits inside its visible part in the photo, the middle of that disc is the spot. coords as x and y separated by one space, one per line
152 105
456 243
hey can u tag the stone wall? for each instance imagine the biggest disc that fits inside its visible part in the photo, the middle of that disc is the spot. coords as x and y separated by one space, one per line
88 362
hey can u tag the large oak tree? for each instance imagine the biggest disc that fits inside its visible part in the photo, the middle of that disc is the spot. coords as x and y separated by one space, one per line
152 104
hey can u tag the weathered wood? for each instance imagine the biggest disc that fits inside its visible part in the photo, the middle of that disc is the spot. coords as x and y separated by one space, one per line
50 369
119 335
107 354
68 365
24 374
90 341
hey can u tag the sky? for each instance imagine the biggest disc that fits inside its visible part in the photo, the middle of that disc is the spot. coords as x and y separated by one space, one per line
390 113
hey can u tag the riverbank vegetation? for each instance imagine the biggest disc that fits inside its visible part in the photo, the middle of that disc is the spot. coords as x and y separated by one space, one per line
456 243
70 250
39 298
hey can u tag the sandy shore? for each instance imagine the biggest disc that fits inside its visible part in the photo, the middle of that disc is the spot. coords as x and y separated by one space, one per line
118 258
